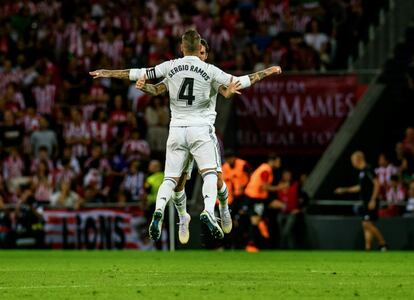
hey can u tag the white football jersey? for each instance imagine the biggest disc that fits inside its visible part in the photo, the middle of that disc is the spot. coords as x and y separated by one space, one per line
213 98
192 87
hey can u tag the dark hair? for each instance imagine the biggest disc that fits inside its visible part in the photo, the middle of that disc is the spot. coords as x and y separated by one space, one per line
395 178
205 44
43 148
191 40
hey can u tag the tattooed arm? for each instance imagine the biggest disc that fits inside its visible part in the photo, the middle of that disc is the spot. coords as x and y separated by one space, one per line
102 73
255 77
151 89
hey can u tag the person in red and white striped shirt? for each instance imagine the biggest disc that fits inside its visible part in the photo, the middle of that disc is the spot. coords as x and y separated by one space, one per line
42 156
97 98
44 94
13 165
77 134
136 148
384 171
101 131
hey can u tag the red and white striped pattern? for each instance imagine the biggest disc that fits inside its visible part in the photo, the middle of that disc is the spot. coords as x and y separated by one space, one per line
75 225
36 162
77 131
395 195
45 98
384 174
13 167
136 149
15 76
43 188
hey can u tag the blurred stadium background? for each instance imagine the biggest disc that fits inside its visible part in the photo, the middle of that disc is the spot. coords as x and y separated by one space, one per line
81 160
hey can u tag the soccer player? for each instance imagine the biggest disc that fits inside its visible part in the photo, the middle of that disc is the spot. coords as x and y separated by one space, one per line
189 81
368 189
179 197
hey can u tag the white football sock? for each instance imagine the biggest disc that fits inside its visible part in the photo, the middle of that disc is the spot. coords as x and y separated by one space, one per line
164 193
209 191
180 202
223 195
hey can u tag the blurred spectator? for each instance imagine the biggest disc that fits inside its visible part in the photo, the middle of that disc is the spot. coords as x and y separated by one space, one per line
153 182
13 99
133 184
44 94
42 183
236 177
67 155
11 134
395 191
13 166
96 98
384 171
408 142
65 196
288 203
43 156
29 222
136 148
101 132
77 135
6 229
157 116
410 200
64 172
257 192
395 195
44 137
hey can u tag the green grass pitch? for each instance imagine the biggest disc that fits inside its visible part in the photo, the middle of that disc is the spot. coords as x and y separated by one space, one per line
206 275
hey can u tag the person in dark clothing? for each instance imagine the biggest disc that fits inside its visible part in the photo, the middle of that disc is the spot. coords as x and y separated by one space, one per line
368 189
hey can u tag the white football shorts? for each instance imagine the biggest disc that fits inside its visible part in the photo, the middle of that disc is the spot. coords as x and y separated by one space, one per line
188 143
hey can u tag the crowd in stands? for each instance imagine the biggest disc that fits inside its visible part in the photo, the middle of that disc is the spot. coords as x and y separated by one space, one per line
57 124
396 177
67 139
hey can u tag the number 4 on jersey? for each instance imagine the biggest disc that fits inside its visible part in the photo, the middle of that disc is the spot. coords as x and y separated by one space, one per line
186 91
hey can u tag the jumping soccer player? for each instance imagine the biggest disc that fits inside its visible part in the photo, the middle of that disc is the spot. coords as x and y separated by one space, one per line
179 197
189 81
368 189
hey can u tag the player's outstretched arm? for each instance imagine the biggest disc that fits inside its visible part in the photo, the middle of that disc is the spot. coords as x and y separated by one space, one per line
255 77
103 73
150 89
351 189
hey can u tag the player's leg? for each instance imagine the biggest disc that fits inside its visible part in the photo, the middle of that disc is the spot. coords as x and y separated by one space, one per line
204 152
367 235
176 155
222 193
179 199
376 233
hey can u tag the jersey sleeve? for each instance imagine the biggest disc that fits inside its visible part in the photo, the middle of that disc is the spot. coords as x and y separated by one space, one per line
224 78
158 71
135 74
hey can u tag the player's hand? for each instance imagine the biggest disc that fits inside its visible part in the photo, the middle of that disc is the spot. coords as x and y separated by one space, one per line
234 87
141 82
276 70
371 205
97 73
340 190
